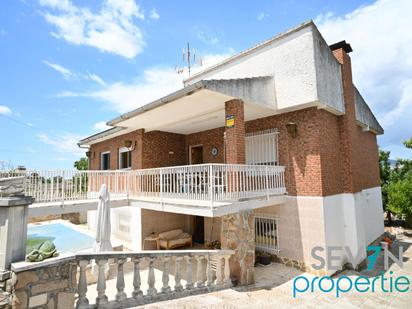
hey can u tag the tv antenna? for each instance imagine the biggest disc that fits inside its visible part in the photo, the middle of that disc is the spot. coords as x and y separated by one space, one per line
188 59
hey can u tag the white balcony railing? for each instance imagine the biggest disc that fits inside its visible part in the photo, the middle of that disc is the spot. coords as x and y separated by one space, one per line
207 183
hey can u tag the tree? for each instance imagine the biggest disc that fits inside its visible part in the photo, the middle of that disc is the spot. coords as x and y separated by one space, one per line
400 197
396 183
386 175
82 164
408 143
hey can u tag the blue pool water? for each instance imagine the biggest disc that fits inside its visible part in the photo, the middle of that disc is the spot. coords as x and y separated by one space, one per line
64 237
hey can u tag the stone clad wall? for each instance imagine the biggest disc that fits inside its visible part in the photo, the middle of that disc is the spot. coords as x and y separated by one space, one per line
48 287
238 233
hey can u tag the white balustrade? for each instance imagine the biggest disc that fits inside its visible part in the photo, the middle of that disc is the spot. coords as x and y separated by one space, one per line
121 295
151 291
137 293
165 276
82 302
189 273
204 183
178 275
199 276
101 283
219 274
163 258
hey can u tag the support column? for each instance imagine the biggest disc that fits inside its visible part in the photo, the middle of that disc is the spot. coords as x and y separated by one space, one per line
237 231
13 232
235 132
137 153
238 234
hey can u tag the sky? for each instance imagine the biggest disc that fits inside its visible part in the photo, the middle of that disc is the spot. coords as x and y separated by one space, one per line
68 66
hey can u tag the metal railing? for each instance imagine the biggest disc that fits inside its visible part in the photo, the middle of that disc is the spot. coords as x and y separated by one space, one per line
209 183
267 233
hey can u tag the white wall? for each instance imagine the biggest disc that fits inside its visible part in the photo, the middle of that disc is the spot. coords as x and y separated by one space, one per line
304 71
353 220
120 218
372 214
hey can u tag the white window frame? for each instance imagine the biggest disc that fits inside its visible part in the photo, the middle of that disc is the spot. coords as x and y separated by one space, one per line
267 239
123 150
101 159
262 147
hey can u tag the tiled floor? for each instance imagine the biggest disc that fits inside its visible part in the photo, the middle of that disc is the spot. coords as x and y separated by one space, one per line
273 289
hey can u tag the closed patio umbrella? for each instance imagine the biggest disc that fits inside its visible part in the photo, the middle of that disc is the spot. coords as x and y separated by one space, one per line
103 229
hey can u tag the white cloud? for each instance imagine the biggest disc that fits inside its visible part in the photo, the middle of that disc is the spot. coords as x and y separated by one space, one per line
68 74
123 97
65 143
261 16
207 37
62 70
111 30
381 61
154 15
4 110
153 84
101 126
94 77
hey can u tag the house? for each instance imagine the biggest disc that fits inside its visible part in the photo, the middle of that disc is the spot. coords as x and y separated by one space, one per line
273 149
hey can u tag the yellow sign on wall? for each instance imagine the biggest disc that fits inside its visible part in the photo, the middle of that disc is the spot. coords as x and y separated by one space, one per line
230 121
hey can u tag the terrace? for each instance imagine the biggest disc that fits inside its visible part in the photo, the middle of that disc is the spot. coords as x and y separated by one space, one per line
205 189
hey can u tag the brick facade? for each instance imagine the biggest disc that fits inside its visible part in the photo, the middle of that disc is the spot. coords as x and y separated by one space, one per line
359 149
208 139
235 136
328 156
162 149
113 145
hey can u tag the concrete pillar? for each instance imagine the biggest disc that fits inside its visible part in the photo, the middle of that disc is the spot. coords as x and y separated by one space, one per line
13 231
235 132
238 233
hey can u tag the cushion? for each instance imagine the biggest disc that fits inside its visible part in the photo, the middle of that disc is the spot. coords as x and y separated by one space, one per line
170 234
179 242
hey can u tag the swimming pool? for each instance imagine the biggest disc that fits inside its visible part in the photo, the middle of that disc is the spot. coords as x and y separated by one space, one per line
65 237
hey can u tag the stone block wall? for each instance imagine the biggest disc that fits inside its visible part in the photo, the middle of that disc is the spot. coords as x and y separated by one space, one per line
48 287
238 233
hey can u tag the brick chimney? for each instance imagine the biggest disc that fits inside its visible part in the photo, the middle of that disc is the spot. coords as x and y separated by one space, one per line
347 122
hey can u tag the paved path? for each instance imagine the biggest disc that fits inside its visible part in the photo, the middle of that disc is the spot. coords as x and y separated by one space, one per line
274 290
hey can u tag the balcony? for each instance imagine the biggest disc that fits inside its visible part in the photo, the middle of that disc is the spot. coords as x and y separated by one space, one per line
210 187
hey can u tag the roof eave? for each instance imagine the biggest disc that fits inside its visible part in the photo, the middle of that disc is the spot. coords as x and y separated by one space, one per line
86 141
164 100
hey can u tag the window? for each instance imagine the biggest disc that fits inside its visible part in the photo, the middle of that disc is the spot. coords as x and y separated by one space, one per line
266 233
105 160
125 158
262 147
124 223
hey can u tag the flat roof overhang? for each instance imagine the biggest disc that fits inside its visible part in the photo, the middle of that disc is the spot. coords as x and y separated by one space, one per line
195 108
